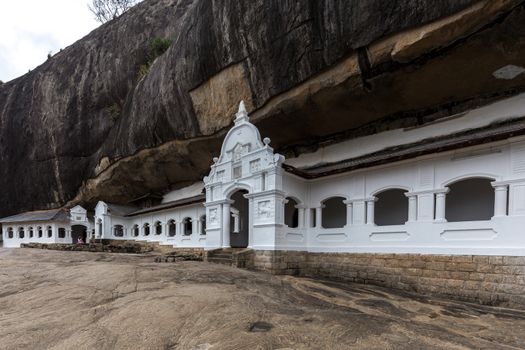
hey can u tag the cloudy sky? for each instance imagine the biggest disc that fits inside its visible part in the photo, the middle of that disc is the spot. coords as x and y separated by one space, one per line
30 29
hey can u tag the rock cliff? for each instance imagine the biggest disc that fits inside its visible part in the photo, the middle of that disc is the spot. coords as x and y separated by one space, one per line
102 120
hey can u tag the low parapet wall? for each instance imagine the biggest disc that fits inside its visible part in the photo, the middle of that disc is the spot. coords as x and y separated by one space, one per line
118 246
490 280
156 247
130 248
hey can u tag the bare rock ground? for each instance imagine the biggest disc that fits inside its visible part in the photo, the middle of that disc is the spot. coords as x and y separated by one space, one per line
77 300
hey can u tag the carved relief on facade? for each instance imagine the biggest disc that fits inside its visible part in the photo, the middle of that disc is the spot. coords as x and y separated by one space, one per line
212 217
237 172
265 209
240 150
255 165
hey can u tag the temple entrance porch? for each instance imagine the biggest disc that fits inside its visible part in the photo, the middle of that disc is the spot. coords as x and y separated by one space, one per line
239 220
78 231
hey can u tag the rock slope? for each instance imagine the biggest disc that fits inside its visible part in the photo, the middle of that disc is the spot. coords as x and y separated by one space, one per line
95 122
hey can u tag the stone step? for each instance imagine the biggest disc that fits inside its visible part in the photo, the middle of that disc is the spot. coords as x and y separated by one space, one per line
223 261
221 256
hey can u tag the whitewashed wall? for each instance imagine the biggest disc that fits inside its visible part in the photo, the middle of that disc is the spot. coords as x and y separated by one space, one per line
194 212
424 179
16 241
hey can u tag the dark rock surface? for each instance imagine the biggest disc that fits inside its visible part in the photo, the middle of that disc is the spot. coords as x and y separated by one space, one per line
84 126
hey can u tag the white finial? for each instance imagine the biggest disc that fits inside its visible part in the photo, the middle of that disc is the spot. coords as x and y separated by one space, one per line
242 107
267 141
242 115
215 159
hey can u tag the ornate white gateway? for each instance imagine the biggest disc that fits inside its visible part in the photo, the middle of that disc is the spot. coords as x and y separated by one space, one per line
244 196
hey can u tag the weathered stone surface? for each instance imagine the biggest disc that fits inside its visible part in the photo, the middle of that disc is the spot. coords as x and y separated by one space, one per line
216 100
453 276
80 300
83 127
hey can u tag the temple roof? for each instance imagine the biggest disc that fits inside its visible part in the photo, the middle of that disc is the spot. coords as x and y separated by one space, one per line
173 204
38 215
120 210
491 133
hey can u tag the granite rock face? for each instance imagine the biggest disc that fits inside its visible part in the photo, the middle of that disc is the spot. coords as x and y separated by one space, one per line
85 125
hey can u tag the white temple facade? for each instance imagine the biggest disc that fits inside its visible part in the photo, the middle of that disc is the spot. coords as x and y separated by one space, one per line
47 226
466 201
455 186
247 177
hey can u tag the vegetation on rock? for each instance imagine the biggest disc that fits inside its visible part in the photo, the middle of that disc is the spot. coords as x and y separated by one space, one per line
114 111
156 48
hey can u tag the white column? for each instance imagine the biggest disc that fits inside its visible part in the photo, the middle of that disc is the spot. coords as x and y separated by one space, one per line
226 225
358 212
349 213
263 182
180 230
318 217
370 204
307 217
282 204
236 223
440 205
250 222
300 216
195 227
412 207
500 200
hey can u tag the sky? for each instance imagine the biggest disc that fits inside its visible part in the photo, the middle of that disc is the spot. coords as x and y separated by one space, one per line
30 29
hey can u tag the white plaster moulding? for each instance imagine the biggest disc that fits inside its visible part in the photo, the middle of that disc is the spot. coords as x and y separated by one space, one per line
246 155
221 201
432 191
508 182
400 249
265 193
413 160
268 225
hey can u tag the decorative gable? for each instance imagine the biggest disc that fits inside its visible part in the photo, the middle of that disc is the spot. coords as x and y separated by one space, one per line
243 154
245 157
78 213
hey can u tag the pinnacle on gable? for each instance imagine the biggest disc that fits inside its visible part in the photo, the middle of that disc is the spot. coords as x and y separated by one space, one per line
242 114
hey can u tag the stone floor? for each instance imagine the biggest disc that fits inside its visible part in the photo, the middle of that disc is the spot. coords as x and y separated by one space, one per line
80 300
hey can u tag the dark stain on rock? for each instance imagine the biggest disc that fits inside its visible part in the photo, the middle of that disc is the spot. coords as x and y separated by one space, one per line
383 306
260 326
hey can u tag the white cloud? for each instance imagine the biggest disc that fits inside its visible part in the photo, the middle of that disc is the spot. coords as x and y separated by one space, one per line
30 29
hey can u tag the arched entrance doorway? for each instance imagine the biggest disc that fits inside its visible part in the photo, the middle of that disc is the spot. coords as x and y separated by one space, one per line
78 231
239 220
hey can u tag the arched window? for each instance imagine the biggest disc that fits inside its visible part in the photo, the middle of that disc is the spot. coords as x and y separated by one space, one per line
172 228
203 224
391 207
136 230
187 226
118 231
21 233
291 213
31 232
61 232
10 233
470 200
49 231
40 231
333 213
158 228
146 229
